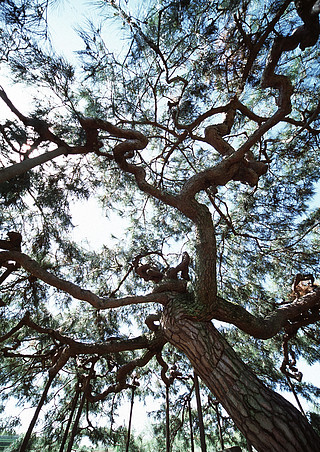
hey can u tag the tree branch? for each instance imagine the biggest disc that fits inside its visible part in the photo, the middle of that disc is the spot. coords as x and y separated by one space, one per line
265 328
40 126
22 167
256 47
74 290
77 348
122 373
123 151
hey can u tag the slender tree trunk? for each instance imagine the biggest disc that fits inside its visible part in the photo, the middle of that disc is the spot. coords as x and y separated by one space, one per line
267 420
26 439
295 395
190 424
130 419
200 417
76 423
216 407
73 408
167 419
20 168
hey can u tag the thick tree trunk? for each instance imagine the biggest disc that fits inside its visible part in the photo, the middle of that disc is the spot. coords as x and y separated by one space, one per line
267 420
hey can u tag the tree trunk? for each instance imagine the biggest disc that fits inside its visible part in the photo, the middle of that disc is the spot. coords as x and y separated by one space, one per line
26 439
167 419
200 416
73 408
267 420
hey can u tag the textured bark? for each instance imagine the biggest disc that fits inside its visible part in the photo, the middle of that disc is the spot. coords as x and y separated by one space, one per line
206 284
268 421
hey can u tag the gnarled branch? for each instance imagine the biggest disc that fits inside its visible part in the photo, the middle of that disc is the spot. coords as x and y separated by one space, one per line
74 290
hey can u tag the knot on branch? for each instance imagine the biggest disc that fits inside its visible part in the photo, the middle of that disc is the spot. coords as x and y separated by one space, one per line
59 359
174 372
150 322
182 268
125 150
135 382
250 170
288 366
302 284
148 272
133 140
14 242
213 134
90 128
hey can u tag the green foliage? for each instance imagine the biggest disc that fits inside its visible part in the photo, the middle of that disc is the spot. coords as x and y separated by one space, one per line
180 60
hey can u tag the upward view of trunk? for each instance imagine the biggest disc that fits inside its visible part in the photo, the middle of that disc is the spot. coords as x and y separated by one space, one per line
267 420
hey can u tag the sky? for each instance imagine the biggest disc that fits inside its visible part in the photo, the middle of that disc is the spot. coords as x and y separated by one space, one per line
90 222
68 15
63 19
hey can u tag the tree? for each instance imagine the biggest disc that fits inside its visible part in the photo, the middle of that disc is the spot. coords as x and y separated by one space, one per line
203 132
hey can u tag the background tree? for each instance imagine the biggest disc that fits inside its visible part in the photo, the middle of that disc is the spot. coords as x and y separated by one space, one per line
203 133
